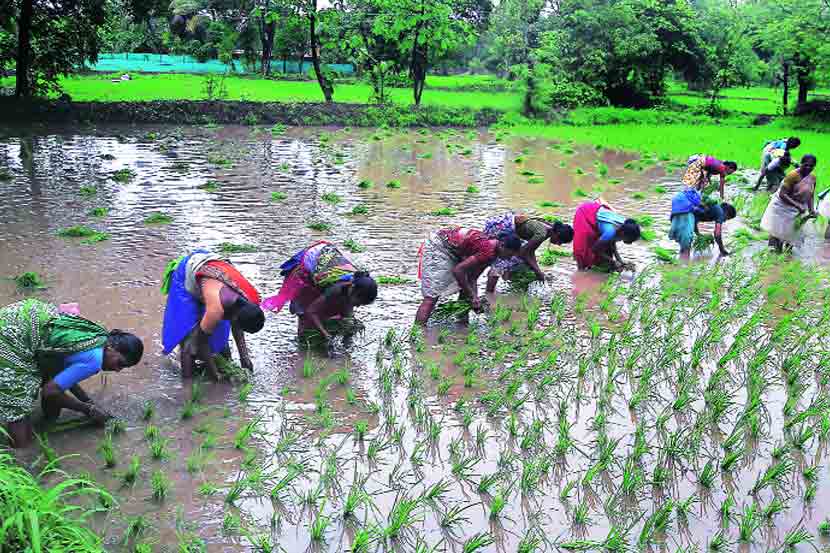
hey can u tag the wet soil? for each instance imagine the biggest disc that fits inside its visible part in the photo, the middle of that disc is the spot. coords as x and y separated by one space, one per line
308 420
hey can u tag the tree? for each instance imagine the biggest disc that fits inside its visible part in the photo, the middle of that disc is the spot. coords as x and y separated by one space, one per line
53 38
729 59
621 49
425 31
510 32
308 10
793 34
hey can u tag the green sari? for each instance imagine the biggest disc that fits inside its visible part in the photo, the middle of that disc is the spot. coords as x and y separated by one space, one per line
28 328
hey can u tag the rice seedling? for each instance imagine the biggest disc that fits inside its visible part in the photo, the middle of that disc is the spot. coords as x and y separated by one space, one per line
78 231
443 212
796 537
726 510
124 175
88 190
98 212
775 507
638 196
245 433
151 432
331 198
245 392
278 196
477 543
810 492
231 248
360 209
158 218
158 449
107 450
773 476
581 515
824 528
136 527
404 513
188 410
319 226
393 184
148 411
29 281
364 184
360 429
160 485
130 476
352 245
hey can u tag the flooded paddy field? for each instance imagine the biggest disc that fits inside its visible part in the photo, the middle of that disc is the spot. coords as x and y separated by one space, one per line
678 408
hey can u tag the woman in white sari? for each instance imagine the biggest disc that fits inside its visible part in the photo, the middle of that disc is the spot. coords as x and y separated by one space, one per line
794 197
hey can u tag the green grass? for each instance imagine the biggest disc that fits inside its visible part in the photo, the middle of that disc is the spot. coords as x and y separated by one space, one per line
148 87
725 141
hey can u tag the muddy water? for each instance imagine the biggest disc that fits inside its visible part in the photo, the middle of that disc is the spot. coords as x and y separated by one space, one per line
116 282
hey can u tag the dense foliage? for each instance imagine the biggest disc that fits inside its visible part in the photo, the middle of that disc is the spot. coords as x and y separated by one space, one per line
564 53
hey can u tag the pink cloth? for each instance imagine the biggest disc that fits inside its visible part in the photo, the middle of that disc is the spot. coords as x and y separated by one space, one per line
586 233
70 309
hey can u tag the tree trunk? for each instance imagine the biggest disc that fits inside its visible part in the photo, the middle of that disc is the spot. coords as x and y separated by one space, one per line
325 85
802 75
24 50
268 30
417 68
786 80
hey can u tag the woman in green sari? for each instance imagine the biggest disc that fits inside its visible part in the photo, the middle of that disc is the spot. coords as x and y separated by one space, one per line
47 352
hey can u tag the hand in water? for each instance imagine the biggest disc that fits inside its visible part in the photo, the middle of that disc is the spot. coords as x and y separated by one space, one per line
475 304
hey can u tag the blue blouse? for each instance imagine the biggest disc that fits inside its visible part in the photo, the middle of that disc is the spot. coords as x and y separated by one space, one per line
80 366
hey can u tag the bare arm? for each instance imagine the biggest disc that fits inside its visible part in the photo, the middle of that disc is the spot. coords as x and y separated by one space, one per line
528 253
719 238
241 346
314 314
471 265
785 193
722 186
204 353
605 250
54 395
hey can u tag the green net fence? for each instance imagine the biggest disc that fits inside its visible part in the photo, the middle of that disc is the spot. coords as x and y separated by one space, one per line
165 63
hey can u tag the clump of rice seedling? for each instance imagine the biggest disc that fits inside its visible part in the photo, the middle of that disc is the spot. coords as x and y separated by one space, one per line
477 543
188 409
158 218
360 429
230 248
579 193
123 175
796 537
319 226
136 527
660 189
331 198
158 449
210 186
133 470
497 505
107 450
148 411
703 242
663 254
78 231
392 280
472 189
548 203
98 212
773 476
394 183
208 489
824 528
278 196
88 191
160 485
638 196
151 432
29 280
352 245
360 209
443 212
364 184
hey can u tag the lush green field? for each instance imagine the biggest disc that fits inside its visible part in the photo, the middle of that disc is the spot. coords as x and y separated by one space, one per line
752 99
143 87
678 141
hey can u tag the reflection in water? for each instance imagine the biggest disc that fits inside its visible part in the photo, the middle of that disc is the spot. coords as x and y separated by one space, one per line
61 174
